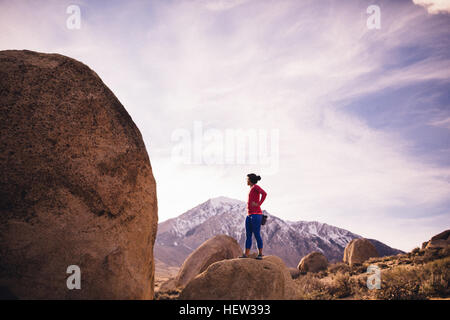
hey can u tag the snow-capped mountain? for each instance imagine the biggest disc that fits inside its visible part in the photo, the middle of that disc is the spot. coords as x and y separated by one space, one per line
178 237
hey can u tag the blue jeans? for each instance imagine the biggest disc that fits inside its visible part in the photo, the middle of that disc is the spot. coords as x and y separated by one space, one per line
253 226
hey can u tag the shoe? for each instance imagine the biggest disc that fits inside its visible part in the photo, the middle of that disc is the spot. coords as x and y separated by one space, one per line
243 256
259 257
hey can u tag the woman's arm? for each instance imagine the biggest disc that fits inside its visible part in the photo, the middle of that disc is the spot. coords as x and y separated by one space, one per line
263 196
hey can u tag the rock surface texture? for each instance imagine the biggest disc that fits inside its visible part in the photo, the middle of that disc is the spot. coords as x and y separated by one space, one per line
242 279
220 247
441 240
76 184
358 251
313 262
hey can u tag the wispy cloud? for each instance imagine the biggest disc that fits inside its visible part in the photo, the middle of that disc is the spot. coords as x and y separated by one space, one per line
221 5
445 123
434 6
288 65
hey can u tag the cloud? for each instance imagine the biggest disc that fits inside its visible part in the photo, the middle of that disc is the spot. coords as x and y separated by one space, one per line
434 6
444 123
222 5
263 65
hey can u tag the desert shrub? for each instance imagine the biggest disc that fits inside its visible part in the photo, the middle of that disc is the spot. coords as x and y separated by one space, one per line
436 286
445 252
415 251
374 260
322 274
399 284
358 269
442 252
340 286
339 267
358 286
388 258
309 287
420 282
418 260
405 261
167 295
432 254
436 278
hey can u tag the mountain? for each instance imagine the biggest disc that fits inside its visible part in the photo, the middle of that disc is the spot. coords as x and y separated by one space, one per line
178 237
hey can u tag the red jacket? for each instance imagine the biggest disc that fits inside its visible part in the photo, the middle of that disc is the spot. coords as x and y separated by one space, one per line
253 196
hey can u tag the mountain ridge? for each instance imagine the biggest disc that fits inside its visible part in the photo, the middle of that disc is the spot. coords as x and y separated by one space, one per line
290 240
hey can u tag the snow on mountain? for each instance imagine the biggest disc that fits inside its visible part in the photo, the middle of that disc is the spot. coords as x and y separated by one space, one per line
290 240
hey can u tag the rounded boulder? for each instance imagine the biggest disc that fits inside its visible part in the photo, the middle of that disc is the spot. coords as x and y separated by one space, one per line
78 197
359 250
241 279
218 248
313 262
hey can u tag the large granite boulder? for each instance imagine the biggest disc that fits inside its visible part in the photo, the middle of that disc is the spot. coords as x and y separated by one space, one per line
359 250
218 248
76 184
441 240
313 262
241 279
289 286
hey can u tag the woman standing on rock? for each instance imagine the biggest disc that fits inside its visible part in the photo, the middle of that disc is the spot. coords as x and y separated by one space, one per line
254 217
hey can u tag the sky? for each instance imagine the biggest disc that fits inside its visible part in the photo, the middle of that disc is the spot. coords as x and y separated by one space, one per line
342 107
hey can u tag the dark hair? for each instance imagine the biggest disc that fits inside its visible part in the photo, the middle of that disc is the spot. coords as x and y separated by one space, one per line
253 178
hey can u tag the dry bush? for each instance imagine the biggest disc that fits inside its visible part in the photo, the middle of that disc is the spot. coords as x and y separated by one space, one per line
309 287
322 274
429 280
445 252
388 258
358 287
359 268
167 295
431 254
435 253
405 261
340 286
428 277
418 260
436 278
373 260
399 284
338 267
